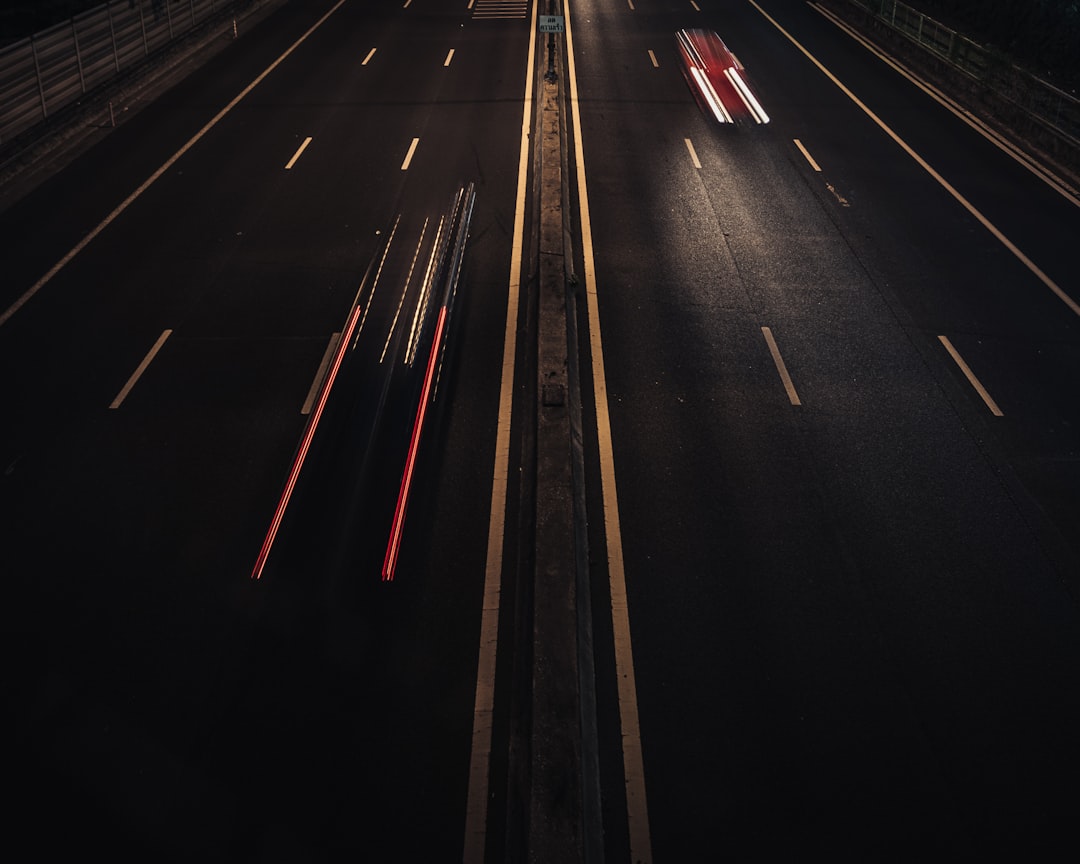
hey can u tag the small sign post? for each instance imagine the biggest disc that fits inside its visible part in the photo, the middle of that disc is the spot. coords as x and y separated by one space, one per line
551 24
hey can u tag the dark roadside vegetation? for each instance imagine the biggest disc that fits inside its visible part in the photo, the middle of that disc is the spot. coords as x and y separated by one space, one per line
1041 36
19 20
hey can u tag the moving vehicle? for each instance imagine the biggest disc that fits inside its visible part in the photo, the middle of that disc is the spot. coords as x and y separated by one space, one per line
717 78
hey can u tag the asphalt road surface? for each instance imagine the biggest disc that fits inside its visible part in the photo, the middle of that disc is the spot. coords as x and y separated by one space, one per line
838 447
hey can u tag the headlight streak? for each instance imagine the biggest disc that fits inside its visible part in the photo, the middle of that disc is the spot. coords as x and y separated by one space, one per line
711 96
375 281
420 314
455 270
404 292
448 272
747 96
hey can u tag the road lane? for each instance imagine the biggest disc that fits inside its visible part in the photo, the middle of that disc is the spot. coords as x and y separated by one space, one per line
850 621
319 714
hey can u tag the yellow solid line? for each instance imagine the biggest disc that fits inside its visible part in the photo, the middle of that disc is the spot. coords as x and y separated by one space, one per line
476 801
781 367
137 374
409 155
637 811
806 153
127 202
967 205
990 403
296 155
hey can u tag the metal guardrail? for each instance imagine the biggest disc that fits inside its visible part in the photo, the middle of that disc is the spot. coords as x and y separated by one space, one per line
1040 100
45 72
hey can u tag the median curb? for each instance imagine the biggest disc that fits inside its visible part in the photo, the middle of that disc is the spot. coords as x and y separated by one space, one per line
564 803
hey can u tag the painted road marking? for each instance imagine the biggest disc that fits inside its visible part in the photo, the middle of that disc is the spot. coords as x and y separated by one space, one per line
449 57
409 155
948 187
370 54
806 153
781 367
296 155
153 178
320 373
693 152
655 62
637 811
476 803
990 403
137 374
1003 144
696 7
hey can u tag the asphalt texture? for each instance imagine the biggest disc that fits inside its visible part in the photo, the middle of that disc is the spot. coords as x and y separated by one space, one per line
852 603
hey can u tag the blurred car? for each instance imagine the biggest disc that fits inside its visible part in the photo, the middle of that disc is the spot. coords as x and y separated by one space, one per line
717 79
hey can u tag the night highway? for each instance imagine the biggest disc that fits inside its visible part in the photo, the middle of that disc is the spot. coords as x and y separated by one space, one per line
827 362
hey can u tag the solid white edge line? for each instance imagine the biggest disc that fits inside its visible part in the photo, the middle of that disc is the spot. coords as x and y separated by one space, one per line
781 367
476 802
693 152
320 373
806 153
948 187
296 155
153 178
409 155
972 380
137 374
995 138
637 810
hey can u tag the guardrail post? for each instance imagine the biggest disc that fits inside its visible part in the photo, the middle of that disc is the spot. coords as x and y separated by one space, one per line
112 34
37 72
78 56
142 27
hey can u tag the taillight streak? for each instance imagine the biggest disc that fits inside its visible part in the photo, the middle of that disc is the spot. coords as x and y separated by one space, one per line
305 444
394 546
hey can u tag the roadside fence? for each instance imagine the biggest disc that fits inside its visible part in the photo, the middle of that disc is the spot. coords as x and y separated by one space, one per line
45 72
1042 102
